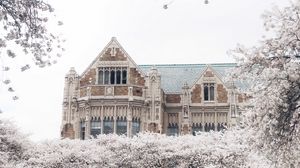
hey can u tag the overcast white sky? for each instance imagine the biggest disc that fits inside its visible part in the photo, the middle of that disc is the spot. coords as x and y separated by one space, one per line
188 32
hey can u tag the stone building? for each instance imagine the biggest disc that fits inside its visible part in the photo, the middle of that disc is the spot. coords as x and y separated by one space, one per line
115 95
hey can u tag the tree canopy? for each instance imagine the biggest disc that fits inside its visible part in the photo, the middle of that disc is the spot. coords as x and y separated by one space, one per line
273 69
24 32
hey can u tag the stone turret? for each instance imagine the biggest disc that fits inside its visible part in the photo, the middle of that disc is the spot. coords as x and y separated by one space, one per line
185 101
154 97
70 104
233 101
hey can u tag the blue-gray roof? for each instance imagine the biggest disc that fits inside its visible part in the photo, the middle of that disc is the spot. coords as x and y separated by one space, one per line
173 76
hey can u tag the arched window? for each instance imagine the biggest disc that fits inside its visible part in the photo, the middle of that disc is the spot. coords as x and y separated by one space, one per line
118 77
121 126
197 127
206 128
212 128
212 92
106 77
205 93
219 127
100 77
124 76
112 77
108 125
135 126
209 92
95 127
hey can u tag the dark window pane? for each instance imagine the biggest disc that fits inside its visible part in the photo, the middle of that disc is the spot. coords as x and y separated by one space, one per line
135 127
118 77
112 77
197 128
173 130
108 126
82 130
106 77
212 91
100 77
95 127
124 77
206 129
121 127
219 127
212 127
205 93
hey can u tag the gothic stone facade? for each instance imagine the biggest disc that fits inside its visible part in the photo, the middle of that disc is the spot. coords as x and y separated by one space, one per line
115 95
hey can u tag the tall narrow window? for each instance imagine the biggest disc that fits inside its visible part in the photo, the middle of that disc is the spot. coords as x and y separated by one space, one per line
118 77
135 126
121 126
108 125
95 127
209 92
112 77
206 128
205 93
124 77
82 130
106 77
100 77
212 92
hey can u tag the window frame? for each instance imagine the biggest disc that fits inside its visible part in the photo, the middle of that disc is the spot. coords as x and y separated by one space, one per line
112 76
95 127
210 90
82 130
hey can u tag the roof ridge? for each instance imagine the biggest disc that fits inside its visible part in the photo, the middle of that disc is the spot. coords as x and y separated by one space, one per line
214 64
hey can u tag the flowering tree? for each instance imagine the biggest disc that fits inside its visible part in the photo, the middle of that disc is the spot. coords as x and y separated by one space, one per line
23 25
13 144
146 150
273 69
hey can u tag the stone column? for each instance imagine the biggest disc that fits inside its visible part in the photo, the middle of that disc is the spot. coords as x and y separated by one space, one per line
101 118
115 124
129 128
87 127
215 122
115 119
129 120
77 128
203 124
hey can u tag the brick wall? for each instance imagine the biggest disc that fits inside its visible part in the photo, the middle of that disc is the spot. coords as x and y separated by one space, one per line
97 90
137 91
121 90
208 74
135 77
173 98
82 92
196 94
108 57
222 94
68 131
91 74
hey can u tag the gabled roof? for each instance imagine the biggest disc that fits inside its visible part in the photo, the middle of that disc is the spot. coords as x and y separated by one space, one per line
113 43
173 76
